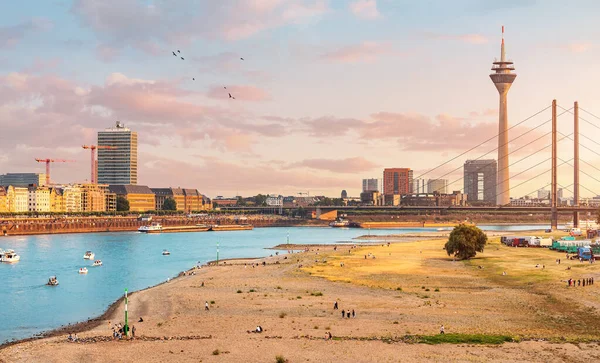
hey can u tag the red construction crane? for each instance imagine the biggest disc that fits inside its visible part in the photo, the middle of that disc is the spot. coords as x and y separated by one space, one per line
48 161
93 154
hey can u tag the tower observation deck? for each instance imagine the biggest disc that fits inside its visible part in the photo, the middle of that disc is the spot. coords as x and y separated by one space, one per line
503 77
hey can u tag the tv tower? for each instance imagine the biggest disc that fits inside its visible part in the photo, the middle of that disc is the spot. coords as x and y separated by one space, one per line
503 79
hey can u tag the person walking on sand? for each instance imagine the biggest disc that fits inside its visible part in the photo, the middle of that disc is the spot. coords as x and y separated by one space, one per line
442 330
206 306
353 313
343 314
335 305
133 331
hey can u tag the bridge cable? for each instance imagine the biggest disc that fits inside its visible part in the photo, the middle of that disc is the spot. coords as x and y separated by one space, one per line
486 141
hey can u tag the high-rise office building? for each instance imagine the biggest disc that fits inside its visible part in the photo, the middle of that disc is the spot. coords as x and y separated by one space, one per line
419 186
480 177
543 194
437 186
118 165
397 181
23 179
370 185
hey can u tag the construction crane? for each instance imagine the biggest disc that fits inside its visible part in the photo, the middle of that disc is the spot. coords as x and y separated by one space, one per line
48 161
93 154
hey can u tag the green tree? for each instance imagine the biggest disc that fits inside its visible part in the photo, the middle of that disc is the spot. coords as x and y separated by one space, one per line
240 201
122 204
260 200
465 241
169 204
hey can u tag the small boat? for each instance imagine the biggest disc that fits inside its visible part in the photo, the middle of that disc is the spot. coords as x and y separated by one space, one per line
340 223
52 281
166 253
89 255
154 227
97 263
9 256
83 270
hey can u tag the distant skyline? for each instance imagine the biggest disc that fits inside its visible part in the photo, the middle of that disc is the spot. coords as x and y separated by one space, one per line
329 92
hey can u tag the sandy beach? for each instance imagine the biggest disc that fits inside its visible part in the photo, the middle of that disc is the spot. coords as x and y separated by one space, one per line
401 295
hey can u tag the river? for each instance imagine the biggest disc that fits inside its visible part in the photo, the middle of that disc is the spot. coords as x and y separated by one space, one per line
130 260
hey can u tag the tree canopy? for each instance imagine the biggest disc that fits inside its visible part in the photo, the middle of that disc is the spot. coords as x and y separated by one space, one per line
122 204
465 241
169 204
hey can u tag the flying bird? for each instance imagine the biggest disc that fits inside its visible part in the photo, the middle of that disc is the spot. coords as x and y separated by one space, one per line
174 54
230 96
242 58
178 51
193 79
182 58
225 87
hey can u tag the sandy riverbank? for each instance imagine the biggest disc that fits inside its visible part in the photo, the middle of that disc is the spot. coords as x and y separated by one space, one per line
409 289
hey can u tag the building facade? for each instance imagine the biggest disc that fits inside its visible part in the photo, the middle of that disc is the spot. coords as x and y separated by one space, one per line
118 165
140 197
23 179
3 200
274 200
72 199
161 194
93 198
370 185
480 177
397 181
437 186
371 197
38 199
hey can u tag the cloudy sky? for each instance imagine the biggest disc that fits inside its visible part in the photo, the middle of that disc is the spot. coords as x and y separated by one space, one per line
329 91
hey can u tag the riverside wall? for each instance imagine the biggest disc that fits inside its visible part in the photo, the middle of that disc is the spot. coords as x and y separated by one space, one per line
35 226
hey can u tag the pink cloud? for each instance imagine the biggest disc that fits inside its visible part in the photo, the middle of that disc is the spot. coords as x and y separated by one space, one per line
579 47
366 9
348 165
241 93
157 171
363 52
150 27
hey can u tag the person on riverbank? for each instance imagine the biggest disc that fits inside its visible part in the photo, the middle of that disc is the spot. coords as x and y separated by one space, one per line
353 313
343 313
442 330
133 331
206 306
335 305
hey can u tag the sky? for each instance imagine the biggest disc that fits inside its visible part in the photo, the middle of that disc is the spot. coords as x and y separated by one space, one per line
328 92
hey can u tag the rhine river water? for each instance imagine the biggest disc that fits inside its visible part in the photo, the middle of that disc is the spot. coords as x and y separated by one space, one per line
130 260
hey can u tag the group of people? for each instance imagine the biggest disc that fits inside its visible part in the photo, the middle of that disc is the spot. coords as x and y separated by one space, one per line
345 313
581 282
119 331
72 338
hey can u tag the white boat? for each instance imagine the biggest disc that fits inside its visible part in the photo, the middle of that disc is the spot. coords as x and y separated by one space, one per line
52 281
83 270
166 253
89 255
151 228
97 263
340 223
9 256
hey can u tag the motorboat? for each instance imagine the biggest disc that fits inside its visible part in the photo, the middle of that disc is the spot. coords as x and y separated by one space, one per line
97 263
340 223
154 227
83 270
89 255
166 253
52 281
9 256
